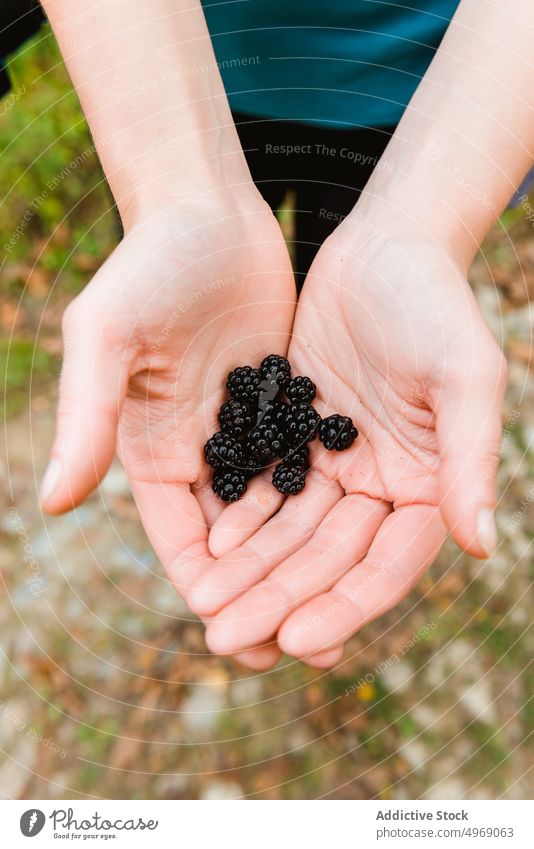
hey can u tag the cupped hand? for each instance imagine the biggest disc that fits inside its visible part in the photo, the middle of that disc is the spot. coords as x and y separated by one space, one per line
191 292
389 330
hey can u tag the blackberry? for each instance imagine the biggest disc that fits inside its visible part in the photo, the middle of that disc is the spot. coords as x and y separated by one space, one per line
276 368
301 390
289 480
243 384
229 485
296 456
252 467
222 450
337 432
264 442
259 423
301 424
235 418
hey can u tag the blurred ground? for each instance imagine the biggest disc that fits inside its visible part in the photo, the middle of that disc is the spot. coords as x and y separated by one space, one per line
106 689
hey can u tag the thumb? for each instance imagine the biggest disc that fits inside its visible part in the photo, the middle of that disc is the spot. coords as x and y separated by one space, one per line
93 384
468 421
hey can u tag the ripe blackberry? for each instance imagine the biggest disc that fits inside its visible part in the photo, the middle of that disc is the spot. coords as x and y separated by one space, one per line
222 450
274 414
264 442
243 384
301 390
337 432
276 367
289 480
299 456
301 424
229 485
235 418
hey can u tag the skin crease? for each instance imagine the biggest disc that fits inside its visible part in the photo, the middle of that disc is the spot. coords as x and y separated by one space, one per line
386 326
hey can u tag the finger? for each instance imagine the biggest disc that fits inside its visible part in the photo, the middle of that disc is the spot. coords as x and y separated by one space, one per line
92 388
210 503
468 424
175 525
340 541
239 521
405 546
226 579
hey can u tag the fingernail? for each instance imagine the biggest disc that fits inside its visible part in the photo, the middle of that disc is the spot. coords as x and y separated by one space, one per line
487 531
50 479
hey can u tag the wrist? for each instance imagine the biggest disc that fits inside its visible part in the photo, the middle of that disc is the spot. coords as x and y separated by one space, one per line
431 180
217 172
203 197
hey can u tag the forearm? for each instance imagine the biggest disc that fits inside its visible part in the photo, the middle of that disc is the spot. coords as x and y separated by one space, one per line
467 136
149 84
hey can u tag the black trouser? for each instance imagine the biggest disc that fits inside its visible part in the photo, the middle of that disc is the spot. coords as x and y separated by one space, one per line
19 20
325 168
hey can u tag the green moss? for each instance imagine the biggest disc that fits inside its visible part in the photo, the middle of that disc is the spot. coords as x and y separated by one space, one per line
338 687
490 754
89 777
375 744
527 709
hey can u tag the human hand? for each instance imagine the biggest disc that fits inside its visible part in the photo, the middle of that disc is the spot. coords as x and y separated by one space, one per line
388 328
191 292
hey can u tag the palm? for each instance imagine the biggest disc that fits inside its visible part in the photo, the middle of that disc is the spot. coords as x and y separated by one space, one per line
376 323
378 373
218 303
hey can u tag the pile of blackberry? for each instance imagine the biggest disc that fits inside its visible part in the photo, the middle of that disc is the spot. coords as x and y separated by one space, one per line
269 415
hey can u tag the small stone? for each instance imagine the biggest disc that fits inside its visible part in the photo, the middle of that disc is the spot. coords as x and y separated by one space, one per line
399 676
478 701
201 708
221 790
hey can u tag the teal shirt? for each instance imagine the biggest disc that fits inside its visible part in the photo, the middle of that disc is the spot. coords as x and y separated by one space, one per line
345 63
